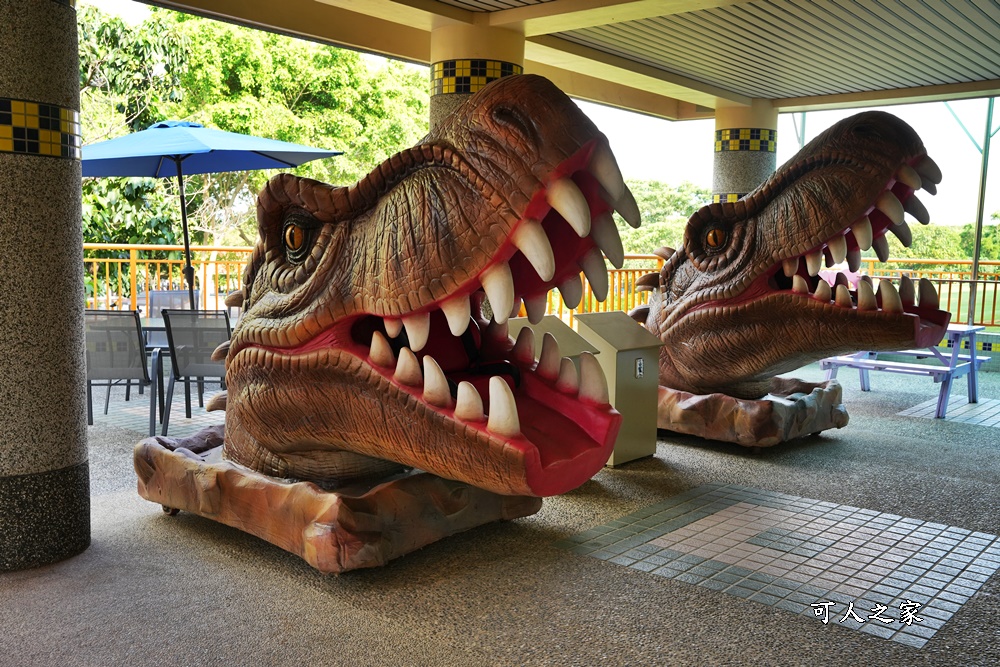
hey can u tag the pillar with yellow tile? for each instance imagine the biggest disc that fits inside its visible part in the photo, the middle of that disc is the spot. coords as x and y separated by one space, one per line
464 58
44 473
746 139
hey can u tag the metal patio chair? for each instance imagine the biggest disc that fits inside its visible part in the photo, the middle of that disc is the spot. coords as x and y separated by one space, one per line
192 336
115 353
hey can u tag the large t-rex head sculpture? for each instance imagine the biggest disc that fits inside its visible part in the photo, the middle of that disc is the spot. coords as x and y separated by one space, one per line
743 300
365 343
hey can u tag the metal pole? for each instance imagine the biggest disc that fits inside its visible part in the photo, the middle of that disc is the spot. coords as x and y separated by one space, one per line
980 210
188 270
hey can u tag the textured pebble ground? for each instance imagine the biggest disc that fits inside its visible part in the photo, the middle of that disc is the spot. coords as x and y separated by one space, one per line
182 590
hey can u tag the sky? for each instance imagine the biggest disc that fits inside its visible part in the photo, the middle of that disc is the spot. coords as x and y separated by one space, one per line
673 152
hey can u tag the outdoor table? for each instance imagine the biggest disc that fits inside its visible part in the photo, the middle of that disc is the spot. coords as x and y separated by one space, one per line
944 368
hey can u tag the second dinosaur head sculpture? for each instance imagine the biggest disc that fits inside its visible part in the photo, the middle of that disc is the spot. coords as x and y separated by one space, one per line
365 343
743 301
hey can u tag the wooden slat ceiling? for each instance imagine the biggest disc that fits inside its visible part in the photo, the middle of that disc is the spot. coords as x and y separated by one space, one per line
681 59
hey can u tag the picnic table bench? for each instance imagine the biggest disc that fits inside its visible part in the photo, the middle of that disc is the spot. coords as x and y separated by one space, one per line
944 366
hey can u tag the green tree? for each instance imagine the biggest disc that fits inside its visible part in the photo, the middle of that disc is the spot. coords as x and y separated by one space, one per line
990 245
665 211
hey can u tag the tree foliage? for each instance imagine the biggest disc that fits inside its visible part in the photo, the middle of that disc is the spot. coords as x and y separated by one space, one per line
665 211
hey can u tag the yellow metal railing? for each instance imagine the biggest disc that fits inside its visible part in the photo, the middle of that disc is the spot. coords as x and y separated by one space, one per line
122 276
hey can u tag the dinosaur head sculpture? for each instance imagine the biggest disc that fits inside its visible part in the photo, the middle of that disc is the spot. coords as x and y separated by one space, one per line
366 341
743 300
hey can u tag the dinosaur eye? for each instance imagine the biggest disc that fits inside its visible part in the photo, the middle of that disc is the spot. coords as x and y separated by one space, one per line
715 238
297 237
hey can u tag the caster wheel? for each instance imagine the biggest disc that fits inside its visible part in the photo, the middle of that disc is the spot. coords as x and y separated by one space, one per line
170 511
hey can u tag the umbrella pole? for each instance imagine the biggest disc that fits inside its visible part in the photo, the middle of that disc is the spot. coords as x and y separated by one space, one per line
188 269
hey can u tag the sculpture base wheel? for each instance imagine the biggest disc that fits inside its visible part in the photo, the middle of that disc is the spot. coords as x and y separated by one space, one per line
363 525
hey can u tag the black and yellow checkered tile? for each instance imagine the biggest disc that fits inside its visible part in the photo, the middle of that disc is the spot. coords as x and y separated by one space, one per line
468 76
39 129
746 139
730 197
71 3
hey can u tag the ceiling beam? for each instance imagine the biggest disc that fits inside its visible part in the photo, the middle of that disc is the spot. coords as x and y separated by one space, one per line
567 55
939 93
562 15
420 14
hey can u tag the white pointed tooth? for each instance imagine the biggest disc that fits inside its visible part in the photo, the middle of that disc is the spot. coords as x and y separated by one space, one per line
930 187
393 327
889 204
799 284
891 303
838 248
380 352
814 262
569 202
907 175
928 295
863 232
604 231
597 273
458 311
790 266
408 369
903 233
823 291
536 307
469 404
866 296
928 170
499 286
853 259
530 239
881 247
418 328
503 410
524 348
916 208
605 169
628 209
567 382
436 391
549 360
515 311
843 297
907 295
593 384
572 291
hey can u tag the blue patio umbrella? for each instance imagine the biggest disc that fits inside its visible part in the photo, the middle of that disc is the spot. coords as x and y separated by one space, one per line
174 148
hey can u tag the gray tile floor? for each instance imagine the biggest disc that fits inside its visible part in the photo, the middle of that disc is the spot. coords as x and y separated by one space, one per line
134 414
884 574
984 413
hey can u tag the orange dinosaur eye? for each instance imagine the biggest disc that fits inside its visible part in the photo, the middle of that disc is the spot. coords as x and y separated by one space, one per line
295 237
715 238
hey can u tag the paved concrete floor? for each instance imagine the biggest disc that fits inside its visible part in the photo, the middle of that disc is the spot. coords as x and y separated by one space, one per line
182 590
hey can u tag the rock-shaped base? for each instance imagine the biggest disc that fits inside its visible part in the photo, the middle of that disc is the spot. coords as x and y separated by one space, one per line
334 531
792 409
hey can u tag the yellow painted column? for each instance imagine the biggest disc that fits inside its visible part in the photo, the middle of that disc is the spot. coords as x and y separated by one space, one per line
44 470
746 139
464 58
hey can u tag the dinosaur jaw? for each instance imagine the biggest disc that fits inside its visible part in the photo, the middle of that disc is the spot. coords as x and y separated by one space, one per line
798 277
451 368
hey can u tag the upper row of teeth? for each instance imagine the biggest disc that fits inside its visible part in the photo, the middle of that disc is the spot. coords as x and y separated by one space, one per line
924 174
893 300
589 384
531 240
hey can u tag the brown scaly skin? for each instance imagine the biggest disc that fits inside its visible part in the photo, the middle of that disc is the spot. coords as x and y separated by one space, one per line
313 392
730 316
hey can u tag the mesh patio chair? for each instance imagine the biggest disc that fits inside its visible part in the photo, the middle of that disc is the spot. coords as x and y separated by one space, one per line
172 299
115 353
192 336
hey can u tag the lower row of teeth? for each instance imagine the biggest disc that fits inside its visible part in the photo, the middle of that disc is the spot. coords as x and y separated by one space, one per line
893 300
589 384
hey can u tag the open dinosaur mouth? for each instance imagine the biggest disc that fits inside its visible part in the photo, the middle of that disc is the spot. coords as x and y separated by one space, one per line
804 274
455 355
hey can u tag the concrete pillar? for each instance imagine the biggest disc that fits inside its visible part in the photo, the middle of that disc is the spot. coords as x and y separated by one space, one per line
464 58
746 138
44 475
